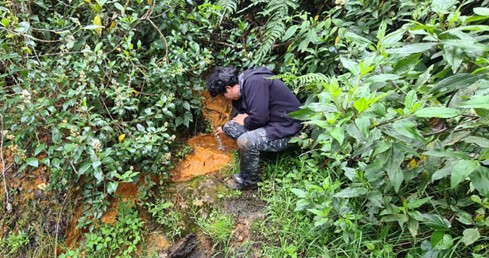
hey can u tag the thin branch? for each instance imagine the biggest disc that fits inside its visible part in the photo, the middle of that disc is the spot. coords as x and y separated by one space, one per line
31 37
59 219
3 162
147 16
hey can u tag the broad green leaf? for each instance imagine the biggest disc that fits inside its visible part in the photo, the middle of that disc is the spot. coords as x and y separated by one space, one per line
424 77
476 102
33 162
454 56
112 187
481 141
363 125
413 226
440 112
303 114
338 134
99 175
84 167
392 39
455 82
442 6
290 32
470 236
408 128
465 45
360 104
461 170
411 48
484 11
382 78
480 180
436 222
351 192
410 99
414 204
448 153
299 193
442 173
351 65
313 36
444 242
393 167
119 7
357 38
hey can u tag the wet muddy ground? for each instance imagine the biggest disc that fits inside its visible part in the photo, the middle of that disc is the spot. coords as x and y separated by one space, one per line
196 191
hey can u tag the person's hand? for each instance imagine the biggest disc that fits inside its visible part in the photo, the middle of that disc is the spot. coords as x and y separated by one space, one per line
218 131
239 119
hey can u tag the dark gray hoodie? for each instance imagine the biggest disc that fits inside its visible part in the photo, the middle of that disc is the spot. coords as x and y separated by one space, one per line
267 103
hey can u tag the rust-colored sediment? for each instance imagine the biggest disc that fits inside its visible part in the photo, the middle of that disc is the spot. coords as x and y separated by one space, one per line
216 110
206 156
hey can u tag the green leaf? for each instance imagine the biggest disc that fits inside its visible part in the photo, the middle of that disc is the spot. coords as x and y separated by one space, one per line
392 39
410 99
382 78
470 236
442 173
461 170
357 38
393 167
351 192
411 48
84 168
363 125
480 180
112 187
360 104
290 32
484 11
413 226
481 141
119 7
33 162
440 112
436 222
442 6
454 57
408 128
454 82
351 65
476 102
300 193
338 134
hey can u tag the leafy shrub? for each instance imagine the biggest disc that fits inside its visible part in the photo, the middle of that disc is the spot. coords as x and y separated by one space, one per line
404 135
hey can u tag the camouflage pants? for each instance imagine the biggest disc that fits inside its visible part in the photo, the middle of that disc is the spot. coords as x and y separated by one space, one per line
250 143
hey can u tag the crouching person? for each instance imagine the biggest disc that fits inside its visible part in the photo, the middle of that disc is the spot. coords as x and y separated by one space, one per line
260 122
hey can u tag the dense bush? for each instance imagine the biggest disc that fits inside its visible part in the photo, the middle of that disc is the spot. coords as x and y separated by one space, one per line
395 107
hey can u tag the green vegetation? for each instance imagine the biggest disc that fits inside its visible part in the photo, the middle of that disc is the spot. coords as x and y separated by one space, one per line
393 161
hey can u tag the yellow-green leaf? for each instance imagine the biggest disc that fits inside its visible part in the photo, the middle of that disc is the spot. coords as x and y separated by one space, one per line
97 21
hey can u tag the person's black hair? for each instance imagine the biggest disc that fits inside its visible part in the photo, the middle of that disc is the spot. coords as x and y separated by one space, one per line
220 78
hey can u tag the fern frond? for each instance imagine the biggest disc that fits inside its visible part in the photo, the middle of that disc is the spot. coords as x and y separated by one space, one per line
277 11
298 82
229 6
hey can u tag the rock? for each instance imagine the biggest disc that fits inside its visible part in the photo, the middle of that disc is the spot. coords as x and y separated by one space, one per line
184 248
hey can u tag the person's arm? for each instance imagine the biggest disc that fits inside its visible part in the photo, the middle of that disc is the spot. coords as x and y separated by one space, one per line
257 99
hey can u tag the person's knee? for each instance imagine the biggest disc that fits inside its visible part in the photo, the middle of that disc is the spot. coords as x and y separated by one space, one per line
244 142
